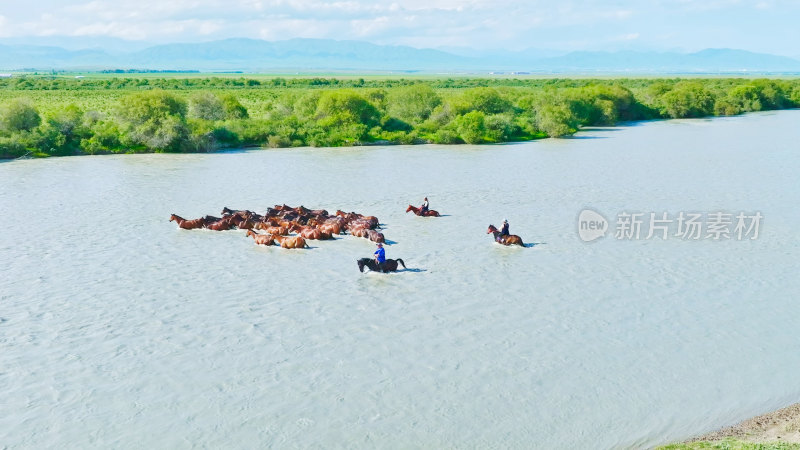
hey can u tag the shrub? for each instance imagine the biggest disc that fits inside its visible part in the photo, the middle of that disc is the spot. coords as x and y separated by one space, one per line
19 115
206 106
471 127
688 99
413 103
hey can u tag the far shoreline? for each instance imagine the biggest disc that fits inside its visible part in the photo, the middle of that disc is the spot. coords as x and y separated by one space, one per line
41 117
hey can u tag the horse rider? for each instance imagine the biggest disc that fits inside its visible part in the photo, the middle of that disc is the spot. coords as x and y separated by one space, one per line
424 208
503 231
380 257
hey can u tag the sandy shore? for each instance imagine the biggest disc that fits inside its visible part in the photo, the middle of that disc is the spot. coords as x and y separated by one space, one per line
782 425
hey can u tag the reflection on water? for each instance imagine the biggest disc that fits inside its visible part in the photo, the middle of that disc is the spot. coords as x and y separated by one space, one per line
119 330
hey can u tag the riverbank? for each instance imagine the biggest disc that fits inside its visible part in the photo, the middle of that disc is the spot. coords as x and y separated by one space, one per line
775 430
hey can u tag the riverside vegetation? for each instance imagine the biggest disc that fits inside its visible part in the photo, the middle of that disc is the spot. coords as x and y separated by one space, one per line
52 116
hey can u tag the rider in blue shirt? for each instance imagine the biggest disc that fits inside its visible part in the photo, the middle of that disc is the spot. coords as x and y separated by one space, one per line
380 256
424 208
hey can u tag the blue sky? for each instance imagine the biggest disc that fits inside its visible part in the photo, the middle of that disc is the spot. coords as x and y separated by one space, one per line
770 26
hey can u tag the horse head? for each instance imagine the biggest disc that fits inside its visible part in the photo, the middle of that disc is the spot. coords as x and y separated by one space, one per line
361 263
491 229
173 217
410 208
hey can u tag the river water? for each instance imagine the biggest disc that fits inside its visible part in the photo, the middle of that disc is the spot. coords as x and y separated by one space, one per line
120 330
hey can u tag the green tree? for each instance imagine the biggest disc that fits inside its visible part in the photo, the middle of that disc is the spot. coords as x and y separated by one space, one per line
770 94
306 106
688 99
413 103
206 106
555 119
62 132
233 109
346 107
471 127
19 115
154 119
104 137
486 100
69 120
500 127
795 96
738 100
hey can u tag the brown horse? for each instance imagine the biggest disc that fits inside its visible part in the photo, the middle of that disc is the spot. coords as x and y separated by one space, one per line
290 242
220 225
246 224
236 212
303 211
283 231
357 224
261 239
428 213
310 232
360 232
509 239
375 236
372 221
330 227
187 224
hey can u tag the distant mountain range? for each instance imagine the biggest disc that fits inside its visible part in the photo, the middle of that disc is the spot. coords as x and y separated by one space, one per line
309 55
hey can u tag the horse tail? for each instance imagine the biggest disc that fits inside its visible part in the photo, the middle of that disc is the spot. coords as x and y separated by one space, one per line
401 262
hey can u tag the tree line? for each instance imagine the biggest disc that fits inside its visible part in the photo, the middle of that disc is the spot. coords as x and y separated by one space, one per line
157 117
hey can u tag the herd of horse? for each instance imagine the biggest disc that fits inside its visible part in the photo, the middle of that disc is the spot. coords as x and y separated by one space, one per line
290 227
278 222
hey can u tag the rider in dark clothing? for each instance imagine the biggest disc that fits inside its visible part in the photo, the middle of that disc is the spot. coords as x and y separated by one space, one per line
424 208
503 231
380 257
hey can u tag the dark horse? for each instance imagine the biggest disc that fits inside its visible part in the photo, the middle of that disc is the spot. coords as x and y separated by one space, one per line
428 213
390 265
